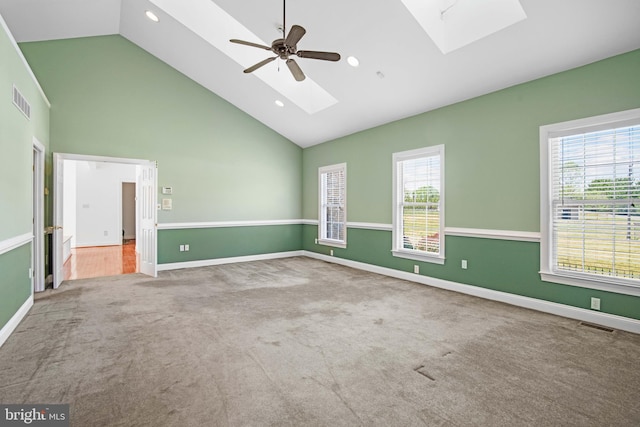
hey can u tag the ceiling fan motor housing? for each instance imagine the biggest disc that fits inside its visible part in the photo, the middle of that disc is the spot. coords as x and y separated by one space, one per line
281 49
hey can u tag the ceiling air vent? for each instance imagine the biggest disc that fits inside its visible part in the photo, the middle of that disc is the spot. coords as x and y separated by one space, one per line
20 102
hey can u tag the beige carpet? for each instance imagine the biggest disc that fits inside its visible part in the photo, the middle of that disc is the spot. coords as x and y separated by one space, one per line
301 342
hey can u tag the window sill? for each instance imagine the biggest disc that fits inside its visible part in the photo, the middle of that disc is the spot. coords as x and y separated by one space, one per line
334 243
435 259
609 285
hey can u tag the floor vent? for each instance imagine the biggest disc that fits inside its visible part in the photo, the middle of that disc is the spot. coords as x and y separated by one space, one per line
20 102
598 327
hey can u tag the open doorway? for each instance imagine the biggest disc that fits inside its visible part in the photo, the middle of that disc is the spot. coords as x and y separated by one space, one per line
99 212
100 206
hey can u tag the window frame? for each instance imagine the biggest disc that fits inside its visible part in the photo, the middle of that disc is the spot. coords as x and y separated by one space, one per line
547 271
398 249
322 223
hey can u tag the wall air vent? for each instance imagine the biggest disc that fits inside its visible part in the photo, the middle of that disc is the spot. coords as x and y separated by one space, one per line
20 102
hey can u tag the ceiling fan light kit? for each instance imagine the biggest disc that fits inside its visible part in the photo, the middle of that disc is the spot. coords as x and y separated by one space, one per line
286 47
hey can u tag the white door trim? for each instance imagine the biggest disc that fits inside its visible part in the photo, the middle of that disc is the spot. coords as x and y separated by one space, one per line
37 263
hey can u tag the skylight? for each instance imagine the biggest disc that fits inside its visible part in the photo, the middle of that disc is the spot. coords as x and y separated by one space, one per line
453 24
215 26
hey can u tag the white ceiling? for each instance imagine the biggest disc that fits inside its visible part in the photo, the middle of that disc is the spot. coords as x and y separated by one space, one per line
557 35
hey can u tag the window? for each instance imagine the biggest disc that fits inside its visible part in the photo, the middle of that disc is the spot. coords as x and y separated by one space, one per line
332 227
591 202
418 204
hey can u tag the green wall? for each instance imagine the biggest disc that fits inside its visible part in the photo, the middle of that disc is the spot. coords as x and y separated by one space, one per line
111 98
227 242
16 182
492 178
15 287
491 147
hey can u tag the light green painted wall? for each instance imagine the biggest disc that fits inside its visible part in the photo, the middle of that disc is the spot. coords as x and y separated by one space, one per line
111 98
16 140
16 146
491 178
491 147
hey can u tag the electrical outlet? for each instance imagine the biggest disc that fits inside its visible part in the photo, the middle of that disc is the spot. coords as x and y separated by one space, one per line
464 264
416 269
331 252
181 248
186 248
316 241
595 303
106 233
30 273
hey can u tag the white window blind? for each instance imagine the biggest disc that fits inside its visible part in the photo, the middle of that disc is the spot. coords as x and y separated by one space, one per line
418 217
595 203
333 212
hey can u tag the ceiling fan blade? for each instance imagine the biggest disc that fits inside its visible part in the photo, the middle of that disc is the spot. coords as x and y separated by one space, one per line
259 64
312 54
295 34
295 70
250 44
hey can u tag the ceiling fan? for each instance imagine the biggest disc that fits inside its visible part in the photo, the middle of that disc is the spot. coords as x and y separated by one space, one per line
286 47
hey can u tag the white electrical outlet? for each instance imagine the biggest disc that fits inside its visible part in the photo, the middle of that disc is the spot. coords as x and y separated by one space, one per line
186 248
316 241
181 248
416 269
331 252
106 233
595 303
30 273
464 264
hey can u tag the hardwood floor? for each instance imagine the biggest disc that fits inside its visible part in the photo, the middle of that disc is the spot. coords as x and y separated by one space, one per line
98 261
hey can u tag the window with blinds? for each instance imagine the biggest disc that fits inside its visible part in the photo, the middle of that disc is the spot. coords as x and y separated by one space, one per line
332 227
595 202
418 220
589 202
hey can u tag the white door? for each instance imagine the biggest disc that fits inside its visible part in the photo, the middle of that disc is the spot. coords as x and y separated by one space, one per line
58 202
146 206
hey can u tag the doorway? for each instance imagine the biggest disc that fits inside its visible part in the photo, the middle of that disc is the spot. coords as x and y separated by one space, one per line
89 216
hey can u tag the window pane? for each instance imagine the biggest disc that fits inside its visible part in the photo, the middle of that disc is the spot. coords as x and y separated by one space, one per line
332 203
420 208
335 223
596 196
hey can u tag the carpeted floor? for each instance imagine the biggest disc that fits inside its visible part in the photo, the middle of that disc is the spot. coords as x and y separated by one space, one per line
301 342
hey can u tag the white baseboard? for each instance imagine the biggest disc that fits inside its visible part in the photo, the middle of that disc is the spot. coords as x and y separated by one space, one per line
605 319
231 260
13 323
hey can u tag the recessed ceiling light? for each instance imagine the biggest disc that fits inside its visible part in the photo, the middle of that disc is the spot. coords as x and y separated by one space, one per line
152 16
353 61
279 103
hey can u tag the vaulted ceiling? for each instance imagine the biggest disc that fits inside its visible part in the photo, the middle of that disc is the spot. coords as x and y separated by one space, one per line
402 71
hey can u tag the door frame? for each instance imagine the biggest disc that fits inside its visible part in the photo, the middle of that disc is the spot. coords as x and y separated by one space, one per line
58 202
37 248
